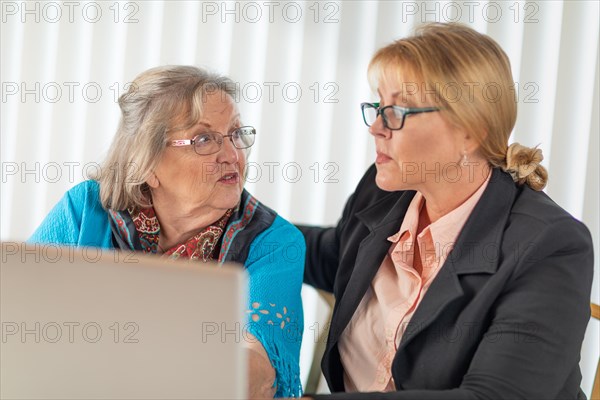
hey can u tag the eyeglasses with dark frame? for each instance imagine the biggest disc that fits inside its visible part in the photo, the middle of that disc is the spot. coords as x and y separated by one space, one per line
393 116
211 142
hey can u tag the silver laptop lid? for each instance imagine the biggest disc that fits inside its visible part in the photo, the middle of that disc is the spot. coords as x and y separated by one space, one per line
96 324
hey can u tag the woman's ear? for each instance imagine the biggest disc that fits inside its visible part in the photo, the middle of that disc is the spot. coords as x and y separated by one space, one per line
153 181
471 143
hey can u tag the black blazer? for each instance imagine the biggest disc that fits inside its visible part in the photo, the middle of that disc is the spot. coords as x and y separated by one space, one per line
504 318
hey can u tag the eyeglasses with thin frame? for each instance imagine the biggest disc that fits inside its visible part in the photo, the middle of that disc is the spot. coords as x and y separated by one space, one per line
393 116
211 142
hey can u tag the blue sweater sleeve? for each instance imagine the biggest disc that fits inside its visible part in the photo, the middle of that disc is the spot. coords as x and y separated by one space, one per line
275 267
78 219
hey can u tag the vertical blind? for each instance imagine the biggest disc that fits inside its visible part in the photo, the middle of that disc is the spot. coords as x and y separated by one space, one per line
301 71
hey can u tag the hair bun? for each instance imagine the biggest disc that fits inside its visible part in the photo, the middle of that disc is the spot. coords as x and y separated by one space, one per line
523 164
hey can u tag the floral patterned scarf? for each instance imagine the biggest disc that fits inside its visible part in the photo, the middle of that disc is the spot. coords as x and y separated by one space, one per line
139 229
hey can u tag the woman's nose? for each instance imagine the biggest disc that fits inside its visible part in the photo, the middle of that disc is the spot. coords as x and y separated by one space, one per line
378 129
228 153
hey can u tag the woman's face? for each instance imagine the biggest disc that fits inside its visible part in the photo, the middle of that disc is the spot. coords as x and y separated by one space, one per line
425 151
204 183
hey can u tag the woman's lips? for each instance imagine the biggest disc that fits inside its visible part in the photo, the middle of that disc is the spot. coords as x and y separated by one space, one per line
231 178
382 158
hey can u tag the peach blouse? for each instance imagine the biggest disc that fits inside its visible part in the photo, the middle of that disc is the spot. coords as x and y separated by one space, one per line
370 341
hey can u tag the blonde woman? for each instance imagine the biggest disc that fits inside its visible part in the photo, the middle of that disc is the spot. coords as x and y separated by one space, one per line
173 185
455 276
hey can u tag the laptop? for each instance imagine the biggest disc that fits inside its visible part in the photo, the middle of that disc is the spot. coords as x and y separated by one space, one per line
86 323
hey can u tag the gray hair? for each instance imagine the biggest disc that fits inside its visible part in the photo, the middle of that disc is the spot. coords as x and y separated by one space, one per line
154 103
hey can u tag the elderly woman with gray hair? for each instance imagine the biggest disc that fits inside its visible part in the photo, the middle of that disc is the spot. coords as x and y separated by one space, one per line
173 185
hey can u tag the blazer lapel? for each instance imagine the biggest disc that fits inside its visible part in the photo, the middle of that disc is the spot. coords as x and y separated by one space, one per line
371 252
471 253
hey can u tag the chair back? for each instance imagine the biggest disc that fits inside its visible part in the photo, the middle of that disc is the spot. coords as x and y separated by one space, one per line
596 387
314 375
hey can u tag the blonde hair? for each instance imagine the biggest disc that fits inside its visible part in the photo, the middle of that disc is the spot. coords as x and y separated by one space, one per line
155 102
470 79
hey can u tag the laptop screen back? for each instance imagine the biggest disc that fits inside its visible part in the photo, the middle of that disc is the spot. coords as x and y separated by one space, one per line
96 324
